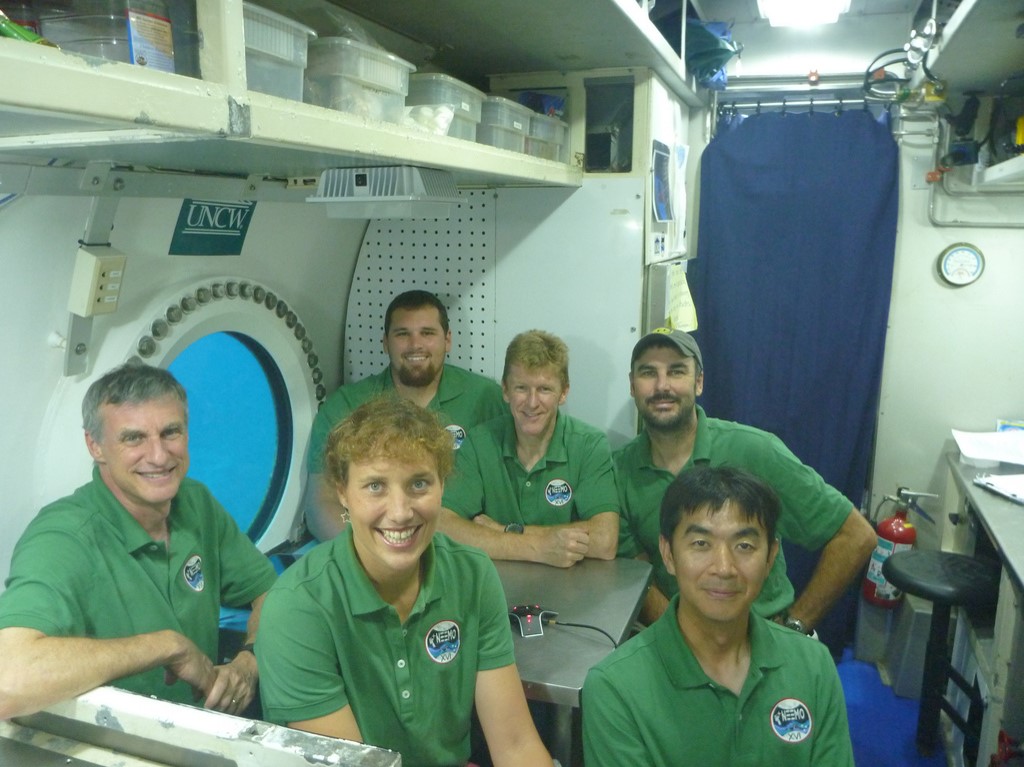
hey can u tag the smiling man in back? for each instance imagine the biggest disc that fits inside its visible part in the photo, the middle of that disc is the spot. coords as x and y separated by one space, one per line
417 338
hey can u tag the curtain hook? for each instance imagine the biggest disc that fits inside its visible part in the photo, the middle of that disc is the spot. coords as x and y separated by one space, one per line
783 105
757 109
839 107
810 109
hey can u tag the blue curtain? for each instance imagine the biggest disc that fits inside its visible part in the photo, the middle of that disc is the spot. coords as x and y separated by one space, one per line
792 283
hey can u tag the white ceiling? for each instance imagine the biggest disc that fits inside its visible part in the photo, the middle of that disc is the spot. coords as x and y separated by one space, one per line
843 49
745 11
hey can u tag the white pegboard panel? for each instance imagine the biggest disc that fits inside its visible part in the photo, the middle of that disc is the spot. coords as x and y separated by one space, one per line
452 258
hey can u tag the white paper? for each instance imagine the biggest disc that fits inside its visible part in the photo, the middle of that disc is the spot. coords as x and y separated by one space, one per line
1007 485
1006 446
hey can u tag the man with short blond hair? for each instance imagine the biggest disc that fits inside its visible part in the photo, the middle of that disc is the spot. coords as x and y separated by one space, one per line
534 484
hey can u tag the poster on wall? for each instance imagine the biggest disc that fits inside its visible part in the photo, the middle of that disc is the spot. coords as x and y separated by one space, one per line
661 181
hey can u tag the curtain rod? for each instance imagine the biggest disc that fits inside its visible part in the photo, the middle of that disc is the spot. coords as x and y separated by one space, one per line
796 104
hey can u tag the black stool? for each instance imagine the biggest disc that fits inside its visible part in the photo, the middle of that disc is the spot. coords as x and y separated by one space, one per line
947 580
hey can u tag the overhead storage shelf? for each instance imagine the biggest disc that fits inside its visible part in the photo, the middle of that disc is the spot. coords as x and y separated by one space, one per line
471 39
66 107
57 106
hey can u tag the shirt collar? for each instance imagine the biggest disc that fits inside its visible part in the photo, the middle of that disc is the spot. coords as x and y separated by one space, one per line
682 667
362 595
445 391
701 444
125 527
556 452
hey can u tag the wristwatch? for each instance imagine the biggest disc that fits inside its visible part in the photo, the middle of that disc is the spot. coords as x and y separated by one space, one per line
514 527
795 623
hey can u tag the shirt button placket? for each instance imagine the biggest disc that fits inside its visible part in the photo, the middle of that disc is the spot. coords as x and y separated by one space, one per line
404 681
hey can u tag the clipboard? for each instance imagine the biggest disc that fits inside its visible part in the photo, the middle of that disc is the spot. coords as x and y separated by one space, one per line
1010 486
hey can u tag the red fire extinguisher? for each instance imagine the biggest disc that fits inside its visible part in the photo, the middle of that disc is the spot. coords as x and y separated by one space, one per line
895 533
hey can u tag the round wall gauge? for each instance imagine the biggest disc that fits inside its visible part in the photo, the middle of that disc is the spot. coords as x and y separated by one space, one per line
960 264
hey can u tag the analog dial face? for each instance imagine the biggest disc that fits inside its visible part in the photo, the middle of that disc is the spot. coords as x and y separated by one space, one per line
961 264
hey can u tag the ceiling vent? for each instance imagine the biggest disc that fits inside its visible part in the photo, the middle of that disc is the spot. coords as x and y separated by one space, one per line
400 191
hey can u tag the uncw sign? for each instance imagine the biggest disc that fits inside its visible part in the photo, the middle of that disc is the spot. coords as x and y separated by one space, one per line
211 228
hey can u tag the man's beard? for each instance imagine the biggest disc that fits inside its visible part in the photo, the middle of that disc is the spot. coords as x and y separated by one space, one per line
417 377
680 421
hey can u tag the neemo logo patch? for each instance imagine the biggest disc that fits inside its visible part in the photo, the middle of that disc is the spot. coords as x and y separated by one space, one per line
791 720
211 228
558 492
458 434
443 641
193 573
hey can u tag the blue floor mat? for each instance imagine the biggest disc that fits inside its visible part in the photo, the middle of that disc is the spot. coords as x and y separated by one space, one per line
882 725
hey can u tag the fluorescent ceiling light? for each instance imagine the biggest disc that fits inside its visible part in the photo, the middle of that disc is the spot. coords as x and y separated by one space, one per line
802 13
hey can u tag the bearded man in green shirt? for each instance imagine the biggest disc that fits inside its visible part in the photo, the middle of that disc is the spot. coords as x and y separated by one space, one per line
417 339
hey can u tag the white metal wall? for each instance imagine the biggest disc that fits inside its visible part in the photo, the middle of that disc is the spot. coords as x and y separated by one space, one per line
453 258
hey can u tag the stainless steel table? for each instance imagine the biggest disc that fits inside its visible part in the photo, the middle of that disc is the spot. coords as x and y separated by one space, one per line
593 592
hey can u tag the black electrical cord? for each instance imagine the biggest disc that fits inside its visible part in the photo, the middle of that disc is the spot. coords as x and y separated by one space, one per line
552 621
869 83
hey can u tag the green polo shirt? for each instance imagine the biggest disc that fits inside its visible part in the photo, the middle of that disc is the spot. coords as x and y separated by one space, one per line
463 400
85 568
573 481
650 703
812 511
328 640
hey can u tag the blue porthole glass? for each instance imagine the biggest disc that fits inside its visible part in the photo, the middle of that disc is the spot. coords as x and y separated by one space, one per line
240 430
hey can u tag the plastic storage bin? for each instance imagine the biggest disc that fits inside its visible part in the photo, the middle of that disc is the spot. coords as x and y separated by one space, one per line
503 113
23 14
463 127
433 88
503 124
132 31
275 52
548 138
350 76
502 138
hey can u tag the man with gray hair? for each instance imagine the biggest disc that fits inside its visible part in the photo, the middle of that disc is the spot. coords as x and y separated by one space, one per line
122 581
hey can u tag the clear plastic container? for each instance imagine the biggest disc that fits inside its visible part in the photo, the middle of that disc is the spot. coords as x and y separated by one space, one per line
436 88
548 137
546 150
368 66
185 33
502 138
548 128
23 14
348 95
275 52
503 113
462 127
132 31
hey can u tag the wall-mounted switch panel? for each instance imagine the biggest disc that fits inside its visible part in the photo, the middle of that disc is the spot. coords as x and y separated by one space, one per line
96 283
